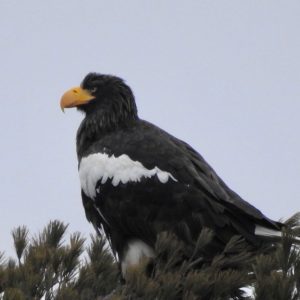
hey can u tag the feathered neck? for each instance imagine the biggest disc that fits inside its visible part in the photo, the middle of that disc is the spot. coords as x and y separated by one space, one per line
97 125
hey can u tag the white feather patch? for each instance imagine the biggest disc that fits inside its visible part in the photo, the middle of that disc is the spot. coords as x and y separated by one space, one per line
264 231
100 166
136 251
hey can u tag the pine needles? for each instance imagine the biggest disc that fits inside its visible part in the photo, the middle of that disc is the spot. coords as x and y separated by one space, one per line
48 266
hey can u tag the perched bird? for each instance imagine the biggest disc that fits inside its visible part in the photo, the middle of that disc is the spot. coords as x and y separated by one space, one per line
138 181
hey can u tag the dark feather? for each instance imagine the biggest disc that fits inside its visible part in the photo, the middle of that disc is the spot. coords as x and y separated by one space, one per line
141 210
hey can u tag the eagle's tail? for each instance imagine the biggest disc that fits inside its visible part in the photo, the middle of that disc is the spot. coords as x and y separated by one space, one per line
267 232
290 226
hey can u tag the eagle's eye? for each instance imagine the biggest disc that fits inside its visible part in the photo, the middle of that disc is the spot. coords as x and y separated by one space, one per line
93 90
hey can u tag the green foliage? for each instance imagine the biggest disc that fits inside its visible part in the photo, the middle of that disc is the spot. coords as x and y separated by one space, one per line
20 240
278 275
179 275
49 266
99 274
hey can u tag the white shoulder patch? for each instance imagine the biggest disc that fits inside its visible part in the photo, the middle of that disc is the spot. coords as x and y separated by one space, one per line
100 166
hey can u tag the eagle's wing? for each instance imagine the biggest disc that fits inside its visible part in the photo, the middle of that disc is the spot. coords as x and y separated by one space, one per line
154 182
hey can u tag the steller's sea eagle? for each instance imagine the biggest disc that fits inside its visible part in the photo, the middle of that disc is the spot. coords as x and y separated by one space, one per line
138 181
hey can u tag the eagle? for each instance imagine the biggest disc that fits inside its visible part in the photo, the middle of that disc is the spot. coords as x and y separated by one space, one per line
138 181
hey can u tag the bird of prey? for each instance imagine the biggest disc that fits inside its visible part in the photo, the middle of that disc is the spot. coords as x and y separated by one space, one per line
137 180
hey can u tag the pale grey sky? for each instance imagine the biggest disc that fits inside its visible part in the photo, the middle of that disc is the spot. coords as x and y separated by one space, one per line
222 75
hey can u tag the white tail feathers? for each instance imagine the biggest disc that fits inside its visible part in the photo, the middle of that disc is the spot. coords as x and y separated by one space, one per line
271 233
267 232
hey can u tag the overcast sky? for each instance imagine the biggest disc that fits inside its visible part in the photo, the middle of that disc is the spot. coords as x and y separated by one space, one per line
222 75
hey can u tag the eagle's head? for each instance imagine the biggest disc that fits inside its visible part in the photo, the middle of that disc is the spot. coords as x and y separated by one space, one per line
108 104
104 95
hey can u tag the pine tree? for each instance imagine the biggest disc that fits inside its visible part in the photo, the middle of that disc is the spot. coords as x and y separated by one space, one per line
47 266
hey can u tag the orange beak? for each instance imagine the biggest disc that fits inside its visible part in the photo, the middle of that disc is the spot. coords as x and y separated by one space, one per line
74 97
